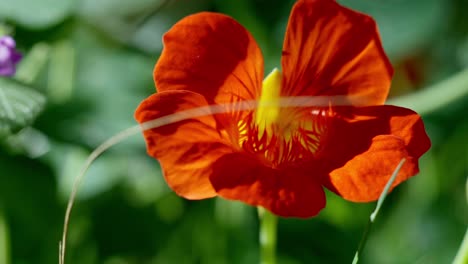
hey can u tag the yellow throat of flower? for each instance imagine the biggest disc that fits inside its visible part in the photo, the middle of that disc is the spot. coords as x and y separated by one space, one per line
267 114
277 134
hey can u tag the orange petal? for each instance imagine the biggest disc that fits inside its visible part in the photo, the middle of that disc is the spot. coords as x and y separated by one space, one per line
288 192
187 149
213 55
332 50
366 144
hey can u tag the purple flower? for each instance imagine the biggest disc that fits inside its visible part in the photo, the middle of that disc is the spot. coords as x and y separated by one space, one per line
9 56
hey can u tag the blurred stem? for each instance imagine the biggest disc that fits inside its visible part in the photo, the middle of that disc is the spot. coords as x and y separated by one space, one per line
4 240
437 96
268 223
33 63
462 255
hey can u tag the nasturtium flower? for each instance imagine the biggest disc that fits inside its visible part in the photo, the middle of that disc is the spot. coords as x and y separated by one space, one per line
281 158
9 56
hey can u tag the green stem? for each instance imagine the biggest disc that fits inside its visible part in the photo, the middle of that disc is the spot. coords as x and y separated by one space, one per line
268 223
4 240
462 254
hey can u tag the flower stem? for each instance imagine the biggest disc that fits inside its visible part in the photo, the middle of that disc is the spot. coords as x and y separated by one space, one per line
462 254
4 239
268 223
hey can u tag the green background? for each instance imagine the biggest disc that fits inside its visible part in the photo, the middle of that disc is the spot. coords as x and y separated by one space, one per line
89 63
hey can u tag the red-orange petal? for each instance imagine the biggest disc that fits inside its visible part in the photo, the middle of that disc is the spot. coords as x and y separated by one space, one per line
213 55
289 192
186 149
332 50
364 147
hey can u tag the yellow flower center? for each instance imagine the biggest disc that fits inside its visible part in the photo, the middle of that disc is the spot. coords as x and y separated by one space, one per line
280 135
267 114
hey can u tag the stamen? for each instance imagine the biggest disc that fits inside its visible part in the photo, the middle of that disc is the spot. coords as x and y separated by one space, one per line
267 116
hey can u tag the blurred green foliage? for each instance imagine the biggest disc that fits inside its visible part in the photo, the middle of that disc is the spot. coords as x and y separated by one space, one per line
89 63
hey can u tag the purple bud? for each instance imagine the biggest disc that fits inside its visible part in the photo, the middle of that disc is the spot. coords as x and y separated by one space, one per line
9 56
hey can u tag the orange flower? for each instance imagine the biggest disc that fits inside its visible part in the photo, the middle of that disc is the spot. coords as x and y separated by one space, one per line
281 158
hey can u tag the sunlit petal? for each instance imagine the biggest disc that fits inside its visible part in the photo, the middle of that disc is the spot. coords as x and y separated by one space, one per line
361 160
331 50
213 55
187 149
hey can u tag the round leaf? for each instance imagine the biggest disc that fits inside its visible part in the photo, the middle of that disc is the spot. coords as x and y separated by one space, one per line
19 106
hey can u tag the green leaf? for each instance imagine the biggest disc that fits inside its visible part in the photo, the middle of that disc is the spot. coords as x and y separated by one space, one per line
36 14
19 106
